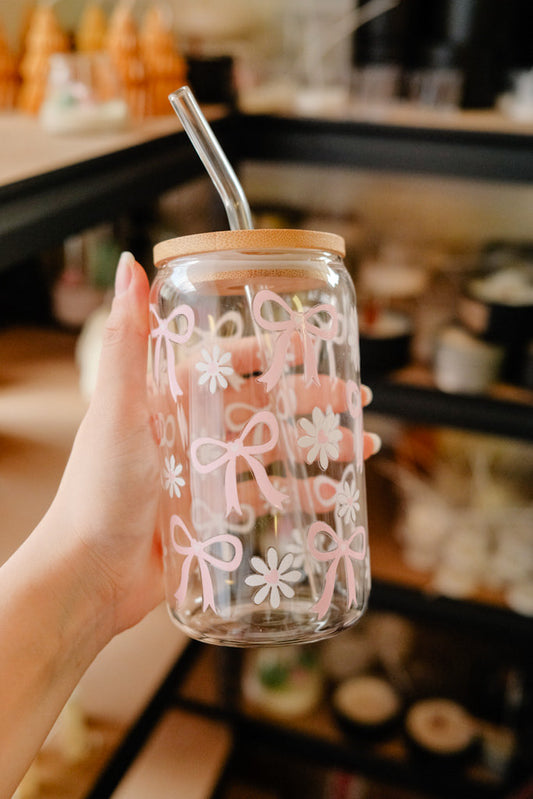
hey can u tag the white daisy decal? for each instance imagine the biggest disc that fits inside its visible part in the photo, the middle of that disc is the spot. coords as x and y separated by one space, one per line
271 578
215 368
322 436
348 501
172 479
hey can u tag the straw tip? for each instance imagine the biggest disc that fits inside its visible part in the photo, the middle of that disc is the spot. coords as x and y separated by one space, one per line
178 92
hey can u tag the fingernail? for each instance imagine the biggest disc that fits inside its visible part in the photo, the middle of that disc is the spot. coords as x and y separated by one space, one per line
369 396
376 442
124 273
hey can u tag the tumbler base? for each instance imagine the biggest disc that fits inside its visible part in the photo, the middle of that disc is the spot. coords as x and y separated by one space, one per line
250 626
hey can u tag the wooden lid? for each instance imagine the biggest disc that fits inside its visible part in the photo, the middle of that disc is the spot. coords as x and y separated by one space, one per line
260 239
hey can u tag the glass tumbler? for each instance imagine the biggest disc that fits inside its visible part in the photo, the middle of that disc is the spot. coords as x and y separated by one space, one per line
255 387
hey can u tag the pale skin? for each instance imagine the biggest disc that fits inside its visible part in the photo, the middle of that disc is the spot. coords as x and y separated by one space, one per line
92 567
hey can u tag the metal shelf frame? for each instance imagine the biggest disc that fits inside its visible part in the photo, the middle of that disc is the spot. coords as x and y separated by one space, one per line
41 211
480 154
430 406
251 732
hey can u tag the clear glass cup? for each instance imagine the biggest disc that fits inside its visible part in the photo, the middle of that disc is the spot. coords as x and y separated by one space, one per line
317 53
255 385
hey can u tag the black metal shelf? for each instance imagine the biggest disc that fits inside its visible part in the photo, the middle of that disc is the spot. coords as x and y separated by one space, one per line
253 733
484 154
500 622
430 406
257 731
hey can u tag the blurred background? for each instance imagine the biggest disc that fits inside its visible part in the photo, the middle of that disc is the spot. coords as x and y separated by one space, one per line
407 128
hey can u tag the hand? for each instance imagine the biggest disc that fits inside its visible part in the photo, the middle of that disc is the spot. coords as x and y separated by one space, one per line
108 497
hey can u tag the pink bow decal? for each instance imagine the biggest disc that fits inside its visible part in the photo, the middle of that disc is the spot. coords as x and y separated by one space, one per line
342 551
197 549
162 333
235 449
298 322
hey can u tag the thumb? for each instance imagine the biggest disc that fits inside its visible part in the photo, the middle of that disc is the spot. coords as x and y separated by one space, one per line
123 359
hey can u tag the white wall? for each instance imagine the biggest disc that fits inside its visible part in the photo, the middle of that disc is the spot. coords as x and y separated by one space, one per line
444 210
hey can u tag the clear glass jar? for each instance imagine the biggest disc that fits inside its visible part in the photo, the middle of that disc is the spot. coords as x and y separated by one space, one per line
257 404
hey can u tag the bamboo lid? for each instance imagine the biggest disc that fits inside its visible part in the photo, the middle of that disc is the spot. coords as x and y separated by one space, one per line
260 239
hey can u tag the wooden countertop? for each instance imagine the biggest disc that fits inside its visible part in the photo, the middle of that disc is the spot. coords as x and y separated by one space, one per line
28 150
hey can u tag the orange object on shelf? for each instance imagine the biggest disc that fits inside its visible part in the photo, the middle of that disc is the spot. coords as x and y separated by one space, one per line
147 60
44 37
165 67
9 76
92 29
122 44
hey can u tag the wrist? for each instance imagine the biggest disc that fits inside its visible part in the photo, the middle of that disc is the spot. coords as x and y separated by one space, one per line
51 629
67 590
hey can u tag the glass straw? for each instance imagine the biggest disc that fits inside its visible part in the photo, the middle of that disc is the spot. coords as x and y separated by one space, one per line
213 158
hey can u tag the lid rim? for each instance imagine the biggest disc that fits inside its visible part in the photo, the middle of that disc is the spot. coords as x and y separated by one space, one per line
258 238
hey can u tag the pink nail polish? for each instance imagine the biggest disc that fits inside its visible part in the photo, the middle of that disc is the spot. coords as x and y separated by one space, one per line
124 273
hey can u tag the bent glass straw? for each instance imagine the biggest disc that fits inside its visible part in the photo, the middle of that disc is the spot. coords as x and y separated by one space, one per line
213 158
